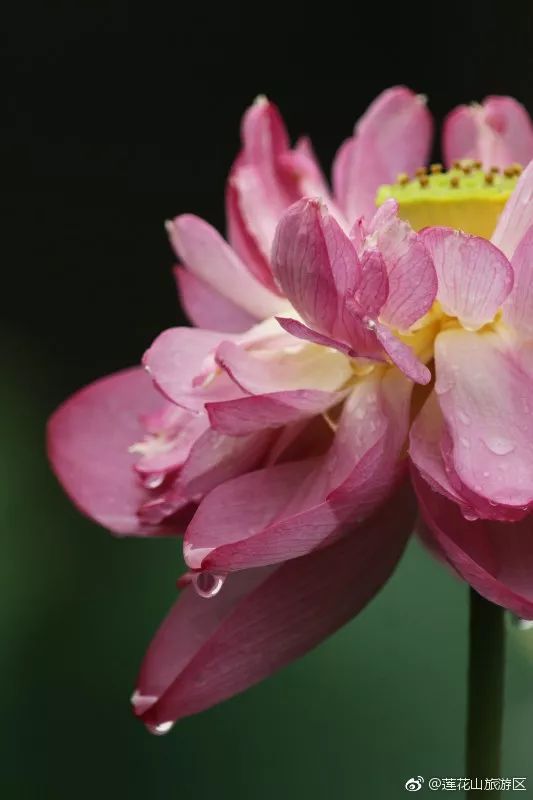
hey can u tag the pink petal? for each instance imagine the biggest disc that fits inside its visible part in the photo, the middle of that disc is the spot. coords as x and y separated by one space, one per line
411 274
259 189
425 439
216 457
249 414
89 437
518 308
498 133
303 505
302 166
205 253
208 650
517 216
373 288
316 265
474 276
485 391
206 308
402 355
367 345
495 558
393 136
306 368
177 358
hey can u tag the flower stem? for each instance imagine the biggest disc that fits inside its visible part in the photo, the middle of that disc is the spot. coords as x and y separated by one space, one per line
485 688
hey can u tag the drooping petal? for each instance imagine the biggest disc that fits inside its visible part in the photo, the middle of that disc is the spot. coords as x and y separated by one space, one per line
393 136
402 355
518 308
410 271
474 276
485 391
89 437
205 253
498 133
274 410
208 650
302 367
304 505
517 216
206 308
496 558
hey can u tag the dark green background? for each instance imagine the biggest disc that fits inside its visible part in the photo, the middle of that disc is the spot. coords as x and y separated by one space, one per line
113 124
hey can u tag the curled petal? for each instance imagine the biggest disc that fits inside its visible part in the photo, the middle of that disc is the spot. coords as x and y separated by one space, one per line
208 650
89 439
410 271
179 360
316 264
474 276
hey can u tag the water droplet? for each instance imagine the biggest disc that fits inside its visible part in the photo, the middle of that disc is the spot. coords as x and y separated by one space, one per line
371 324
464 418
360 412
161 729
153 480
465 442
499 445
486 474
469 515
208 584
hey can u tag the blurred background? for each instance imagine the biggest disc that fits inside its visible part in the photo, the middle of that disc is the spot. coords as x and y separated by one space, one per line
114 124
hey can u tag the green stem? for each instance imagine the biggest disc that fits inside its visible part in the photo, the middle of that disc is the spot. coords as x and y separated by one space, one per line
485 688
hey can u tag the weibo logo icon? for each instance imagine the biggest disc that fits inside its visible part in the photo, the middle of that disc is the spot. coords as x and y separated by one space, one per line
414 784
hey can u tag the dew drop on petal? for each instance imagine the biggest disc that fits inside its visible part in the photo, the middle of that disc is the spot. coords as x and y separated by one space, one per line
208 584
522 624
154 480
370 324
161 729
499 445
464 418
464 441
469 515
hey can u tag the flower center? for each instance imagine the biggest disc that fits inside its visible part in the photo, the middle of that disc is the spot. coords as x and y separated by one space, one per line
465 197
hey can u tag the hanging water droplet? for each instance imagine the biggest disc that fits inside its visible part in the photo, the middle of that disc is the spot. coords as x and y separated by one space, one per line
464 441
153 480
464 418
371 324
208 584
469 515
499 445
161 729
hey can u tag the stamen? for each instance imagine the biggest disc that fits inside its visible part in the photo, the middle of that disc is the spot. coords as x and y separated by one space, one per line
466 197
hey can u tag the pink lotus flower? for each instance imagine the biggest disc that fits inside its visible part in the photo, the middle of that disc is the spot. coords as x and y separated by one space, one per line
285 415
